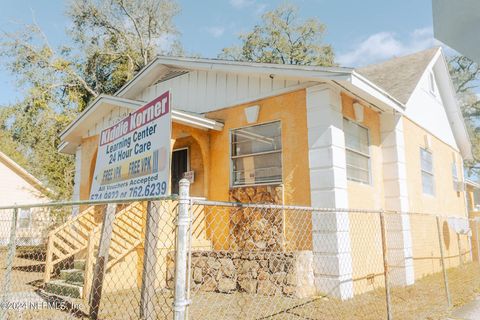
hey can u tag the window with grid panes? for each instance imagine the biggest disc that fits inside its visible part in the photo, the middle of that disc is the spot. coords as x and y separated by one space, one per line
357 147
455 176
24 218
256 154
428 181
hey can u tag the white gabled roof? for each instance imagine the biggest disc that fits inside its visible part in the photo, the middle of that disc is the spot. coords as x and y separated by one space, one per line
98 108
164 67
160 68
452 107
401 76
72 135
24 174
347 79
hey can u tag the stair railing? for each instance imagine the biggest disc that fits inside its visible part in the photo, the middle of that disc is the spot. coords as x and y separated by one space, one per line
89 262
63 243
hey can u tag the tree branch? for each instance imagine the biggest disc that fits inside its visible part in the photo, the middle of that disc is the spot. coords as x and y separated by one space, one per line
142 45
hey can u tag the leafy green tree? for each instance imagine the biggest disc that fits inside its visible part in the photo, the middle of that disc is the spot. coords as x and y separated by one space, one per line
110 40
283 38
8 145
120 37
466 78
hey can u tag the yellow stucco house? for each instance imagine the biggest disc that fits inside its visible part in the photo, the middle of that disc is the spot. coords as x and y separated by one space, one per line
389 136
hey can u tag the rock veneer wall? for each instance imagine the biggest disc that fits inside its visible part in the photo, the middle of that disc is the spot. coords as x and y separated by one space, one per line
257 228
263 273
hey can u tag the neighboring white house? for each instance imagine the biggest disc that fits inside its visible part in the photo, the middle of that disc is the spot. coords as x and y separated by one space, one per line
17 186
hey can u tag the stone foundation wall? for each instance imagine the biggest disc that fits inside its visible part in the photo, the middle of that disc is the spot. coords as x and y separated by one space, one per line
264 273
253 228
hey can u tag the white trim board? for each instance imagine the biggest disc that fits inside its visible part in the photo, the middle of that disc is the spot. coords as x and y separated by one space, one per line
94 116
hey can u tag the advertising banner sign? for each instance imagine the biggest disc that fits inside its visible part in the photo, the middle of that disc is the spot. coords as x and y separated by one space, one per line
133 158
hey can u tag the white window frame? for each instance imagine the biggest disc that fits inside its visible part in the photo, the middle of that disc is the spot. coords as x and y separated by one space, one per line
232 157
455 178
432 83
432 173
20 218
368 156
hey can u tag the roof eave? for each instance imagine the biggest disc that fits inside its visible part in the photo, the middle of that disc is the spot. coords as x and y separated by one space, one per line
290 71
454 113
307 73
25 174
375 92
472 183
68 144
196 121
132 104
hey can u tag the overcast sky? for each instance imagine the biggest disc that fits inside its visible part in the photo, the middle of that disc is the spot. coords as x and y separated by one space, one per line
361 32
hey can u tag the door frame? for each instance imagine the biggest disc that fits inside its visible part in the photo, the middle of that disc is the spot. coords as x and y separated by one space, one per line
188 155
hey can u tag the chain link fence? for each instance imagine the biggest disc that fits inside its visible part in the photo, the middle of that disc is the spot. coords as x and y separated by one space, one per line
176 258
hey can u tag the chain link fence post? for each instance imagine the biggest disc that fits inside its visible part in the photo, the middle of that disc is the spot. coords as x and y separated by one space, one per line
181 255
150 255
89 263
385 265
7 281
459 245
189 257
102 260
478 241
444 270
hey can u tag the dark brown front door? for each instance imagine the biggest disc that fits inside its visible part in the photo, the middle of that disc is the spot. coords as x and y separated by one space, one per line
179 167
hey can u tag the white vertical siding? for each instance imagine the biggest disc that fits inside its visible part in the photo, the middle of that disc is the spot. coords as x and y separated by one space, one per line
221 87
265 85
232 84
210 93
204 91
113 117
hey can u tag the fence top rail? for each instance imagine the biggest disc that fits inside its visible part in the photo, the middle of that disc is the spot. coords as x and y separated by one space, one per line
202 201
280 207
205 202
85 202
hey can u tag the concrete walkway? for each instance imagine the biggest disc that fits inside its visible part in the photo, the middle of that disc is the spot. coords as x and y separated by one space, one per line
470 311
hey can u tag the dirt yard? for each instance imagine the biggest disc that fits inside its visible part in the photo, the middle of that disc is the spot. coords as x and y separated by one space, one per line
25 292
425 300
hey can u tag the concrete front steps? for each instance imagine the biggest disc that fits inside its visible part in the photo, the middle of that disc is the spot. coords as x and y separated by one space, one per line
70 283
